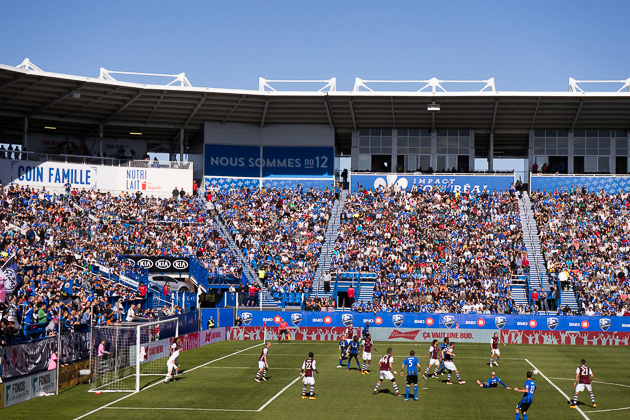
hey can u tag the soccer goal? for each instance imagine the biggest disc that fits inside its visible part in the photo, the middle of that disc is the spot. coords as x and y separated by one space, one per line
123 353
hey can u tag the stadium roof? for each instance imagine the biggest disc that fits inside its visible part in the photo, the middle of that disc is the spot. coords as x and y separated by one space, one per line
76 106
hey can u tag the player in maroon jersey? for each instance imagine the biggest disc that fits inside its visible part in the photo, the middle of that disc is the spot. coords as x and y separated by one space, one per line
494 349
385 365
583 379
308 367
434 359
349 332
262 364
368 346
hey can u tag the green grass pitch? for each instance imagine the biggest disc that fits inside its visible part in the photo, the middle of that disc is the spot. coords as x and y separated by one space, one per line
217 382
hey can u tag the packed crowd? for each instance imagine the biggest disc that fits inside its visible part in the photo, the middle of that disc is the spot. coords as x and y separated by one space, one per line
280 231
585 242
433 251
58 238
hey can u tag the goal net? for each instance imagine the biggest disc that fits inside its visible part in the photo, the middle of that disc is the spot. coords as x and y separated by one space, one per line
123 354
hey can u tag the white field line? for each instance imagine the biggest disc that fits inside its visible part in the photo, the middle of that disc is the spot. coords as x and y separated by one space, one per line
595 382
159 382
179 409
579 410
610 409
262 407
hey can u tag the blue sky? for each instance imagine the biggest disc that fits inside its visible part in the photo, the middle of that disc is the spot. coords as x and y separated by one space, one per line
526 45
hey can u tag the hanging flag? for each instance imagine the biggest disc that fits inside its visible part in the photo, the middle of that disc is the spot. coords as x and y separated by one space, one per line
10 276
66 286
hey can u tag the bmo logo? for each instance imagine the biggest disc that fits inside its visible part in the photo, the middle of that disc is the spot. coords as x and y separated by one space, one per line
163 264
145 263
585 324
180 264
378 320
481 322
430 321
532 323
327 320
277 319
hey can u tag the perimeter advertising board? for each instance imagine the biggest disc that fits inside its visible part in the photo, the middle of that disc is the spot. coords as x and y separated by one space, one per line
610 184
28 387
474 184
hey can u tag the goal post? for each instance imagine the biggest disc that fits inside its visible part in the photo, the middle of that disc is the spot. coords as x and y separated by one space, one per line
121 354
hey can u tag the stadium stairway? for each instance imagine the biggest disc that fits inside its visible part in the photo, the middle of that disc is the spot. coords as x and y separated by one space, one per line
328 247
538 278
519 290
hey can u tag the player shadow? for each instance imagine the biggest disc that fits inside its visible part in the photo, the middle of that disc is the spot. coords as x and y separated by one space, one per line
385 391
580 403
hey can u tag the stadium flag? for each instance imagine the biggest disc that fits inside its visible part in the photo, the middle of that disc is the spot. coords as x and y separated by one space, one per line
10 277
264 332
66 287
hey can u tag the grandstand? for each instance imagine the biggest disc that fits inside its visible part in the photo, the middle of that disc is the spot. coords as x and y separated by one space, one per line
88 219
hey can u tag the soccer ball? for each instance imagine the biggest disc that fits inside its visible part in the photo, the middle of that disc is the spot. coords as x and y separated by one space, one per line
535 372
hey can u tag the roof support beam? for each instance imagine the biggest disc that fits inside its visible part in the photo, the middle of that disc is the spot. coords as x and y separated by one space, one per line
535 113
194 112
494 115
157 104
577 114
391 102
433 121
113 114
227 117
54 101
354 120
264 115
329 112
11 81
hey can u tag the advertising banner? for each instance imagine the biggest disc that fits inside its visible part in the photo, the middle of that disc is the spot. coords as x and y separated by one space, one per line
212 336
69 374
437 320
428 334
43 383
573 338
299 333
214 182
610 184
474 184
228 160
17 391
161 264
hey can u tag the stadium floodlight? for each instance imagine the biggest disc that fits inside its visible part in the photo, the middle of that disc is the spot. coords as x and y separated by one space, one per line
433 107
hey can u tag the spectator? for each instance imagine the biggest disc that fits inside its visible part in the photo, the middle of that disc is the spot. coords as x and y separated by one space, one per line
175 194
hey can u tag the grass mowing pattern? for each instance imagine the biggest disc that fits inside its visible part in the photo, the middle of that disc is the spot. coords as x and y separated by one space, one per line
214 390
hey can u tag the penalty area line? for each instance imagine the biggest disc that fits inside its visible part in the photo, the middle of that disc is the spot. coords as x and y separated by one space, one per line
179 409
579 410
159 382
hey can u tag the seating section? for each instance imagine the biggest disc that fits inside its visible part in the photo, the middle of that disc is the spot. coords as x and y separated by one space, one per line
585 242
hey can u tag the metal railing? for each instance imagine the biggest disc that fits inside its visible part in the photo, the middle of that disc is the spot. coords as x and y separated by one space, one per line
92 160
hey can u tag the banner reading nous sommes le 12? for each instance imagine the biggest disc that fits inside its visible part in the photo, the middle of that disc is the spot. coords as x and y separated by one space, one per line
247 161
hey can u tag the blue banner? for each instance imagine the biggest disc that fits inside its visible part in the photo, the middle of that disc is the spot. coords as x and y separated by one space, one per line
434 320
474 184
610 184
298 161
306 183
224 160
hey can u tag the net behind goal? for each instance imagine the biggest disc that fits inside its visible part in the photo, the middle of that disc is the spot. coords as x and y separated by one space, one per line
121 354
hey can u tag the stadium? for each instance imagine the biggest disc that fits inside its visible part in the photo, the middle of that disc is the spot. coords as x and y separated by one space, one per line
137 214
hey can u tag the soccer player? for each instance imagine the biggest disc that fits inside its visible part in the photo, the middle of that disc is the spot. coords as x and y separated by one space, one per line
368 346
366 330
283 330
385 365
170 363
349 333
528 398
584 375
413 366
443 347
343 348
450 366
176 343
353 352
263 366
492 382
433 355
308 367
494 349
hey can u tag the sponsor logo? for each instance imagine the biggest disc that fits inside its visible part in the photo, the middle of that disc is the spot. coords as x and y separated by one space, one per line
585 324
378 320
247 318
408 335
131 262
318 319
448 321
398 319
533 323
552 323
430 321
500 321
145 263
296 319
346 319
180 264
277 319
481 322
327 320
604 324
163 264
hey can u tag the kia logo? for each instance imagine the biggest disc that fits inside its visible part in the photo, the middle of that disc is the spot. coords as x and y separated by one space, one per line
145 263
180 264
163 264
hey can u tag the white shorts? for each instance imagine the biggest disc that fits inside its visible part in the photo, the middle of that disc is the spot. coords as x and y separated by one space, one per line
450 366
261 365
495 351
367 356
434 362
580 387
308 380
386 374
170 364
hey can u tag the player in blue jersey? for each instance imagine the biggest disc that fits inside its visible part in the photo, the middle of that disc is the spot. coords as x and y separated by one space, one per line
353 352
443 348
528 398
493 382
366 330
343 350
413 366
